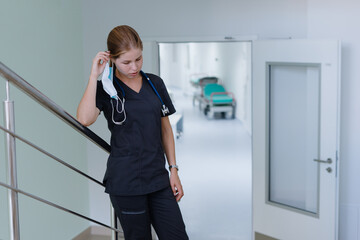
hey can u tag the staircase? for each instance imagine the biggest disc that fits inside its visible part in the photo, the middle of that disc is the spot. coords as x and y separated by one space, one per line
96 233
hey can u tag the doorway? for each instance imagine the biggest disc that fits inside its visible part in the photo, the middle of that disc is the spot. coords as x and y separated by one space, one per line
214 153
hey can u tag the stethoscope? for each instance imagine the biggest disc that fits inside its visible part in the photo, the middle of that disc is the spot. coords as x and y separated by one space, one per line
164 109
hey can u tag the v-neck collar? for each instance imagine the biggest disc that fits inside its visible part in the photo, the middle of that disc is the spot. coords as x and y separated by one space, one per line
129 88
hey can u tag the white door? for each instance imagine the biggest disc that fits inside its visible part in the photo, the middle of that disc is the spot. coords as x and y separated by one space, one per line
296 139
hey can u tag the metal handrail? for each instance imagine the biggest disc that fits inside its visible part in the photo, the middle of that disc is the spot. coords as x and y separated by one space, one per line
58 206
50 155
10 75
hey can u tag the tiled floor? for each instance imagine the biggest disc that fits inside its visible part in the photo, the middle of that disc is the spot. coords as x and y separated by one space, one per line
214 156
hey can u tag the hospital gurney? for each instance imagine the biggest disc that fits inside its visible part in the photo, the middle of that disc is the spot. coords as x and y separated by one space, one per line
216 99
201 83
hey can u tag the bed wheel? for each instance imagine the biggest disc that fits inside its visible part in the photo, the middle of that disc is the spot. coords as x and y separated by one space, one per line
206 110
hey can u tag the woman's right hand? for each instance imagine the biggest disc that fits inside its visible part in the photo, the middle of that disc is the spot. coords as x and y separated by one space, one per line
87 111
99 63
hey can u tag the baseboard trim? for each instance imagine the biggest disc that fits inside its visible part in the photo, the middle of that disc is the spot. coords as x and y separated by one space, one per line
259 236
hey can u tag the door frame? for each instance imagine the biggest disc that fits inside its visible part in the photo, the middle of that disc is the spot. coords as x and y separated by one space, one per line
153 60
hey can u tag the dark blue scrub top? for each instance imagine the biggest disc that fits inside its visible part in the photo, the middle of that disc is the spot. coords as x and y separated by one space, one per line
136 164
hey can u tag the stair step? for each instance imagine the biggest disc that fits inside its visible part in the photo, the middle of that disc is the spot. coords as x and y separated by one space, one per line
96 233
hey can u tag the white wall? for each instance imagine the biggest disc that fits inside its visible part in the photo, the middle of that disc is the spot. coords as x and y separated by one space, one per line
235 67
339 20
161 18
42 42
175 66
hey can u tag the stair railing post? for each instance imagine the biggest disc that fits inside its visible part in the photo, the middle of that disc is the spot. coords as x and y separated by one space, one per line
12 170
114 235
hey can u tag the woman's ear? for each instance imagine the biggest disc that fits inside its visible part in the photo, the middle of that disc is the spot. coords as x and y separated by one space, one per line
112 61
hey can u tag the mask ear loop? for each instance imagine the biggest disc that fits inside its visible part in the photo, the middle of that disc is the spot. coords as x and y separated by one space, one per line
117 99
117 105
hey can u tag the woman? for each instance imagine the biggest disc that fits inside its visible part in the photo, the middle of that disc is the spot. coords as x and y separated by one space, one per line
140 189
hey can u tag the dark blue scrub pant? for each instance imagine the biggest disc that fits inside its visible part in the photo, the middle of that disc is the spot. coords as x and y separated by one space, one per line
160 209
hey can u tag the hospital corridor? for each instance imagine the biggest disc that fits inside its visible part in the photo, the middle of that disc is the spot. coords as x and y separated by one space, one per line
214 156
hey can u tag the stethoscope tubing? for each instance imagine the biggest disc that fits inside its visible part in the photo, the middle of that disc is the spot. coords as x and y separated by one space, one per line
149 81
164 109
153 87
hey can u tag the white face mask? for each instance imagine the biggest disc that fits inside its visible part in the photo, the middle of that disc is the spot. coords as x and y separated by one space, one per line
107 82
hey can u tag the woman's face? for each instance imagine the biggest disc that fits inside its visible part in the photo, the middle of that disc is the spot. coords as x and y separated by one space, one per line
129 64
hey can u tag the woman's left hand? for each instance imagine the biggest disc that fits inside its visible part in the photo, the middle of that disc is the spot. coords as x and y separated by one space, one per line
176 184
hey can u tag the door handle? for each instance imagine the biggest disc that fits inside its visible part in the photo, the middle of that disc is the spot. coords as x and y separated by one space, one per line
328 161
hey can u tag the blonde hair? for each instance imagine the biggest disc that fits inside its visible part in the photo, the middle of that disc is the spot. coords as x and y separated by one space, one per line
121 39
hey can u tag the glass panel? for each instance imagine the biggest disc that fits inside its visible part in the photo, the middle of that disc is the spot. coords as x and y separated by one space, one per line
294 135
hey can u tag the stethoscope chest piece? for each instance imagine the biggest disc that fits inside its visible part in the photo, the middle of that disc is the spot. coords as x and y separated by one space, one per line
165 110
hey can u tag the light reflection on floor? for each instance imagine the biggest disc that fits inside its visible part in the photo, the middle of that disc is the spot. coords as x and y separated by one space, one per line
215 169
